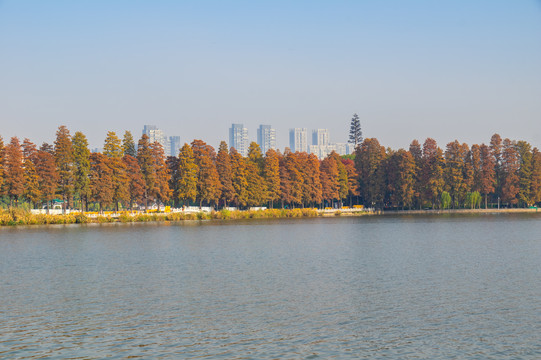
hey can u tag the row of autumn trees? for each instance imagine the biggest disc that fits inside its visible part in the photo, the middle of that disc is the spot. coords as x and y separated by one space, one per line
126 175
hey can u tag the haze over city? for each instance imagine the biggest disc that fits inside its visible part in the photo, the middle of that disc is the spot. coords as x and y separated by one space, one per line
411 69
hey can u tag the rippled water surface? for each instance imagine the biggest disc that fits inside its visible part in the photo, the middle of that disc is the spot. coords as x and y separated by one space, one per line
373 287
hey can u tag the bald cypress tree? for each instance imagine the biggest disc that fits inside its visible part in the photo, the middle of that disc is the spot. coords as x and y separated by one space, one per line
147 166
223 166
81 168
2 161
14 172
128 145
187 175
271 175
63 154
48 176
32 192
162 191
112 148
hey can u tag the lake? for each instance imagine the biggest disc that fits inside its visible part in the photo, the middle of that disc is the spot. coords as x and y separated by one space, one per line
417 287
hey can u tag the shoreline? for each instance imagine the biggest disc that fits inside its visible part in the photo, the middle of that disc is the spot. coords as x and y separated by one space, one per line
18 217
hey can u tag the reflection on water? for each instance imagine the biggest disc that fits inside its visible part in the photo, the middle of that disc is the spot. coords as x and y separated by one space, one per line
402 287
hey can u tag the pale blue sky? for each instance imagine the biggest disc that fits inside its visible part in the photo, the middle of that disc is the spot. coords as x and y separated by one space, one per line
410 68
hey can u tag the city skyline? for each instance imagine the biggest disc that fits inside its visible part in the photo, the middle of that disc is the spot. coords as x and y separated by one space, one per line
410 69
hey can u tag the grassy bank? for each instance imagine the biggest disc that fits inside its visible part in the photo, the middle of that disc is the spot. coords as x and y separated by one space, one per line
12 217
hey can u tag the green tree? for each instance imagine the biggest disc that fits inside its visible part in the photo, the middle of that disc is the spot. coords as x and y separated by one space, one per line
368 160
81 168
355 133
525 173
473 199
445 200
128 145
63 153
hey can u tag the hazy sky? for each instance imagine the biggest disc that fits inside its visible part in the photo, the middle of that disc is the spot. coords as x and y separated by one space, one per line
410 68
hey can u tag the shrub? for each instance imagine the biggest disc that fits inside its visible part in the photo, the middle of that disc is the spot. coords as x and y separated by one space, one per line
225 214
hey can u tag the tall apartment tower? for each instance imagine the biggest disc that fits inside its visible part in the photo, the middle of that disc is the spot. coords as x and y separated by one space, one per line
298 139
320 137
154 134
266 138
238 138
174 145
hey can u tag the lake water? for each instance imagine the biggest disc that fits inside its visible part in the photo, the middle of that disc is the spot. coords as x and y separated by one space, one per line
372 287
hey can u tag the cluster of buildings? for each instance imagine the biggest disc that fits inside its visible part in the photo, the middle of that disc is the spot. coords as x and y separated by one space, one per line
320 145
170 144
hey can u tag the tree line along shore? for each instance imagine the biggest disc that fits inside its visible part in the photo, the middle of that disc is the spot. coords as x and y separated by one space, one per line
504 173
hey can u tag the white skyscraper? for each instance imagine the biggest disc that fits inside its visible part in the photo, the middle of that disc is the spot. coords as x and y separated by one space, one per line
320 137
298 139
238 138
156 135
266 138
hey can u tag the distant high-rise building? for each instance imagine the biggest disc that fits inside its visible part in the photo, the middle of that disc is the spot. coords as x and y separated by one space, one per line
322 145
170 144
298 139
320 137
266 138
238 138
174 145
156 135
147 128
